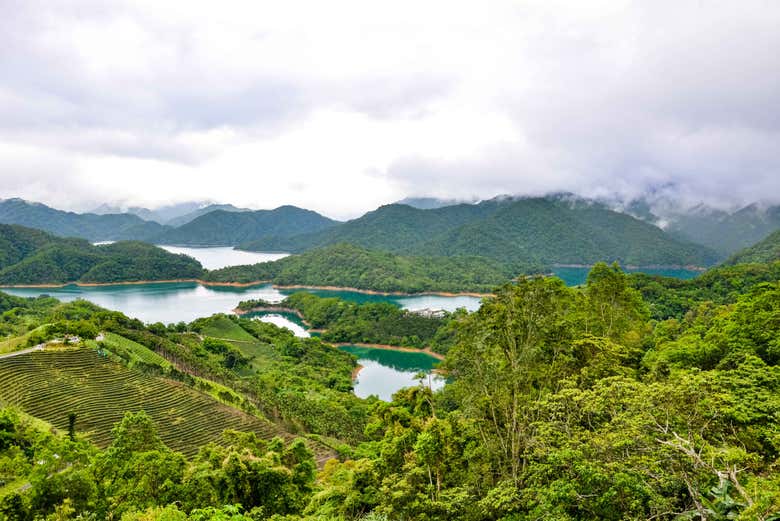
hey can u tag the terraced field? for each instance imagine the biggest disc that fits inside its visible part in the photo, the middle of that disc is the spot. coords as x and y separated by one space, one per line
131 350
50 384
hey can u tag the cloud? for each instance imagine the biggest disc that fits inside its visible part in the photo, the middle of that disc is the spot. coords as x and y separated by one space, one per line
344 105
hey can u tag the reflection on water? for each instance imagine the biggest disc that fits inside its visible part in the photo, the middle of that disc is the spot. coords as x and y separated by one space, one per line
384 371
214 258
159 302
285 320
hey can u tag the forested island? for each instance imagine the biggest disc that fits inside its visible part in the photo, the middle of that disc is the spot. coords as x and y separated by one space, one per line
629 397
344 322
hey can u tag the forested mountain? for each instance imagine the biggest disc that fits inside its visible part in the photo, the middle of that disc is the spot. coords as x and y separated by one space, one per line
191 216
350 266
90 226
428 203
29 256
228 228
726 232
544 230
767 250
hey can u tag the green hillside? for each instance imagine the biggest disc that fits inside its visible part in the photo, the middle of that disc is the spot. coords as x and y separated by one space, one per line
767 250
90 226
49 385
228 228
545 230
30 256
725 232
345 265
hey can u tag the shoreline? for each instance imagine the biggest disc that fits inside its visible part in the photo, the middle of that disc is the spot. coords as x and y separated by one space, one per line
246 285
386 347
277 309
386 293
689 267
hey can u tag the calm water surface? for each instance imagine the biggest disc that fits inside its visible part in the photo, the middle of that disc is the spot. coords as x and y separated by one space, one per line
214 258
384 372
577 276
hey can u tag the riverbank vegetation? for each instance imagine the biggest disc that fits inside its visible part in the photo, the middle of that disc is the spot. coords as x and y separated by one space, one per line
348 266
563 403
344 322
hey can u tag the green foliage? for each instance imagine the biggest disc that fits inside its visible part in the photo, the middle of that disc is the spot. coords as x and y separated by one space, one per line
68 224
668 297
522 233
766 250
370 323
344 265
228 228
34 257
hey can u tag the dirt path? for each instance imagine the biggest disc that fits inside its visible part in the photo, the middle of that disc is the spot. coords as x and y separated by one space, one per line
39 347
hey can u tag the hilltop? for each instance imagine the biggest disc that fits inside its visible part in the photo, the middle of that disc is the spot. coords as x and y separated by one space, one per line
767 250
30 256
541 230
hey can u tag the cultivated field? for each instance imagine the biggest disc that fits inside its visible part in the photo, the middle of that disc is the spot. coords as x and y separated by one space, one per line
49 385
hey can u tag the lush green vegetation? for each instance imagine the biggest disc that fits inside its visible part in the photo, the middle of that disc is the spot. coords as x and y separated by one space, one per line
240 366
563 403
51 384
34 257
88 226
520 232
725 232
228 228
369 323
67 476
344 265
669 297
766 250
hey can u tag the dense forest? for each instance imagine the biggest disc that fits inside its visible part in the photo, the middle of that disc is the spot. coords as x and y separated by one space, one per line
342 321
90 226
228 228
350 266
766 250
563 403
543 230
30 256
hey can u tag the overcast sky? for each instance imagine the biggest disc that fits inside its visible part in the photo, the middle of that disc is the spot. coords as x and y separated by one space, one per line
342 106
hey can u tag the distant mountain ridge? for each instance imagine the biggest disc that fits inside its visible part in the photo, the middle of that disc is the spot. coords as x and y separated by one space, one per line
30 256
191 216
213 225
764 251
229 228
724 231
90 226
561 228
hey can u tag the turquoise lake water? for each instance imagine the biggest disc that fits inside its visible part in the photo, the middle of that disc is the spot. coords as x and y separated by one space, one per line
384 371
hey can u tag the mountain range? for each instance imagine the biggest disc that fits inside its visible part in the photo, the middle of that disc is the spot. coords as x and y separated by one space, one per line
30 256
554 229
560 229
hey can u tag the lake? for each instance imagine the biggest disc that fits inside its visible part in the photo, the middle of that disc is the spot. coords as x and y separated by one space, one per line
577 276
383 373
214 258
